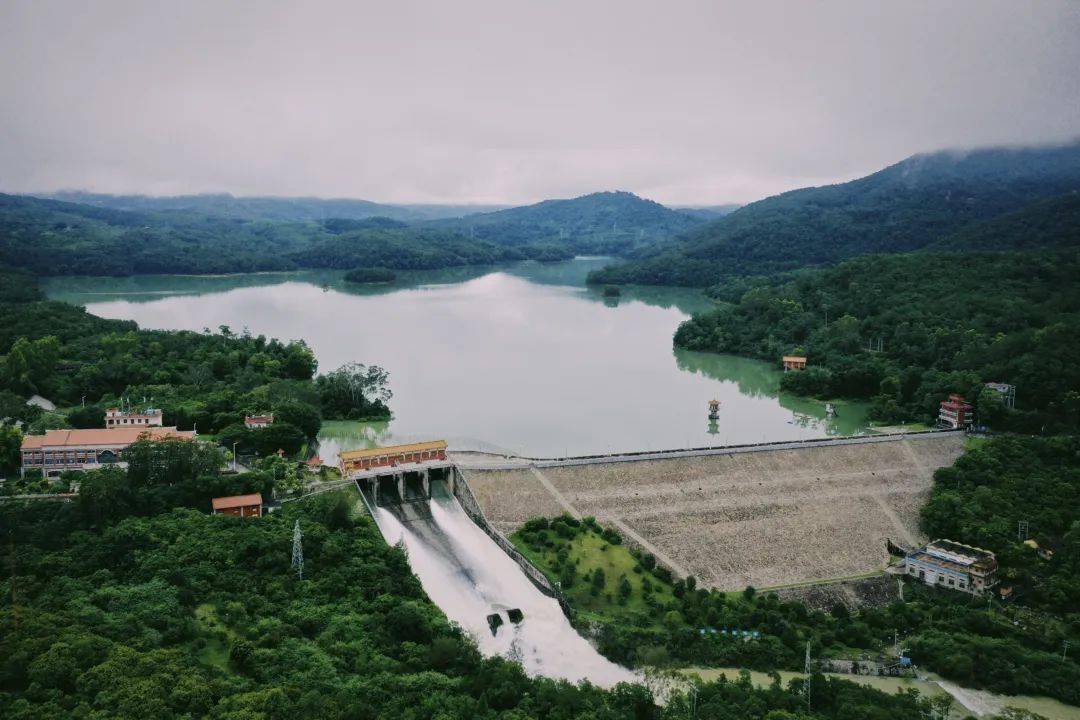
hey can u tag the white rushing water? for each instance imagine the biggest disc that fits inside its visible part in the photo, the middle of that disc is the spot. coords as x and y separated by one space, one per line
467 575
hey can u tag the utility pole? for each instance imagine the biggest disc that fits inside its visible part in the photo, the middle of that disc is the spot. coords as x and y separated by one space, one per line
900 587
298 551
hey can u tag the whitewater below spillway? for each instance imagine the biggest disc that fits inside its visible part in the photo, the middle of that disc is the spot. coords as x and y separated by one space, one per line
470 577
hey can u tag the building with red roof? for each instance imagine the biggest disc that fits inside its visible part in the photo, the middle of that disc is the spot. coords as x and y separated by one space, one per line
238 505
86 449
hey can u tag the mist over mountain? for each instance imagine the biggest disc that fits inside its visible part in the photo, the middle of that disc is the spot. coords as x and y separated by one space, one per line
272 208
907 206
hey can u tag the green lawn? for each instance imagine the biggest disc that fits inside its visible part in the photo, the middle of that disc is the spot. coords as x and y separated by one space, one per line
588 551
217 634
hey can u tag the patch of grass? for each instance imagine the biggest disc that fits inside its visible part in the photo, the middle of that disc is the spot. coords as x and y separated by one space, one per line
218 636
572 553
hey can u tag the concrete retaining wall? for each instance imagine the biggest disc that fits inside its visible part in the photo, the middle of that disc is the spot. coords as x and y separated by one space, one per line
472 508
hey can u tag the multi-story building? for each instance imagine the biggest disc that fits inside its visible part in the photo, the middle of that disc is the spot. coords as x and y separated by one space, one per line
952 565
59 450
255 422
115 417
956 413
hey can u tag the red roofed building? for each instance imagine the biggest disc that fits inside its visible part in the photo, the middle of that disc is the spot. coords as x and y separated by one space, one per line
59 450
955 413
239 505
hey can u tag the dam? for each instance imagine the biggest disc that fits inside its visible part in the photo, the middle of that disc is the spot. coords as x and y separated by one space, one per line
767 515
773 515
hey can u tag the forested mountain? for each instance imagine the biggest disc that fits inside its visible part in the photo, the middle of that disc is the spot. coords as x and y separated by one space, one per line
402 249
272 208
1054 222
908 329
707 212
601 223
50 237
908 206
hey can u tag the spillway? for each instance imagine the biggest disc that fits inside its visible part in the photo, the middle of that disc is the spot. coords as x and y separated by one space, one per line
467 575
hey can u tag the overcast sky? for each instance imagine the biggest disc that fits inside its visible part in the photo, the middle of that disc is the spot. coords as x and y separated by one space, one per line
508 101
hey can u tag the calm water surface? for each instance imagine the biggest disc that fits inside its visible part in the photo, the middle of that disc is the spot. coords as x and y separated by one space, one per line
522 359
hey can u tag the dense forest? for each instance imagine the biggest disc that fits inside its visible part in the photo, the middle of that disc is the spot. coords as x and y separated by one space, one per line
273 208
906 330
204 381
128 235
133 602
641 616
939 200
49 237
604 223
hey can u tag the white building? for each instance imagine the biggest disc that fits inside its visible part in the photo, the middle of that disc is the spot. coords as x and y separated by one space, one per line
952 565
115 417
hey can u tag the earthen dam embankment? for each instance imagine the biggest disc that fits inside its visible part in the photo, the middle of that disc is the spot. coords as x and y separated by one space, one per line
766 516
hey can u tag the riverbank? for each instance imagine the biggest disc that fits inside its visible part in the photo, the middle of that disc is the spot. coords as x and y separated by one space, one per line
977 702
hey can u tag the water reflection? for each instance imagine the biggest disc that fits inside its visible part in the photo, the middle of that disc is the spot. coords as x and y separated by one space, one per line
523 359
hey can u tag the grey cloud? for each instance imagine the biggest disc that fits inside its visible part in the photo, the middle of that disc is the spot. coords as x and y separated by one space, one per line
512 101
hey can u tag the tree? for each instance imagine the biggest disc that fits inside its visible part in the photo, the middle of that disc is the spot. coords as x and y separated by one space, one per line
354 391
625 589
10 444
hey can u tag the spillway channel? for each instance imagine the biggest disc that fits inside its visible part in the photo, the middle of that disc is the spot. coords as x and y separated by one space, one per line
467 575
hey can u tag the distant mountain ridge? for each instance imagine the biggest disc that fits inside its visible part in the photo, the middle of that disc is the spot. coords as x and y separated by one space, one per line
613 222
911 205
52 237
271 208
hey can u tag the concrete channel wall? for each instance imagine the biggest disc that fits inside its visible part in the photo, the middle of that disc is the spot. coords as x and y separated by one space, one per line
472 508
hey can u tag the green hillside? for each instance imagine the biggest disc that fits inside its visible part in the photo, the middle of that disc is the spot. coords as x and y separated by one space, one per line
271 208
908 206
50 237
1054 222
908 329
601 223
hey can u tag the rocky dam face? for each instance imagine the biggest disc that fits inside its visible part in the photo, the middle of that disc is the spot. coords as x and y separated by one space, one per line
766 516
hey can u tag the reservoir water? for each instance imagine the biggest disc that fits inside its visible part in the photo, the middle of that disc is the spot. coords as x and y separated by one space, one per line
523 358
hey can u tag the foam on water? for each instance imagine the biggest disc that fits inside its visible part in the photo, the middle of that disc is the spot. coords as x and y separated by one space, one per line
467 575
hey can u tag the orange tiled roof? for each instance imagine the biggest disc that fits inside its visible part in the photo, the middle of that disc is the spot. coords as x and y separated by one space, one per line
102 436
392 450
224 503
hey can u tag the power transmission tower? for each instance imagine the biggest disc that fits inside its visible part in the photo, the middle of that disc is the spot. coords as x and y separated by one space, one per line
298 551
1021 529
1064 649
